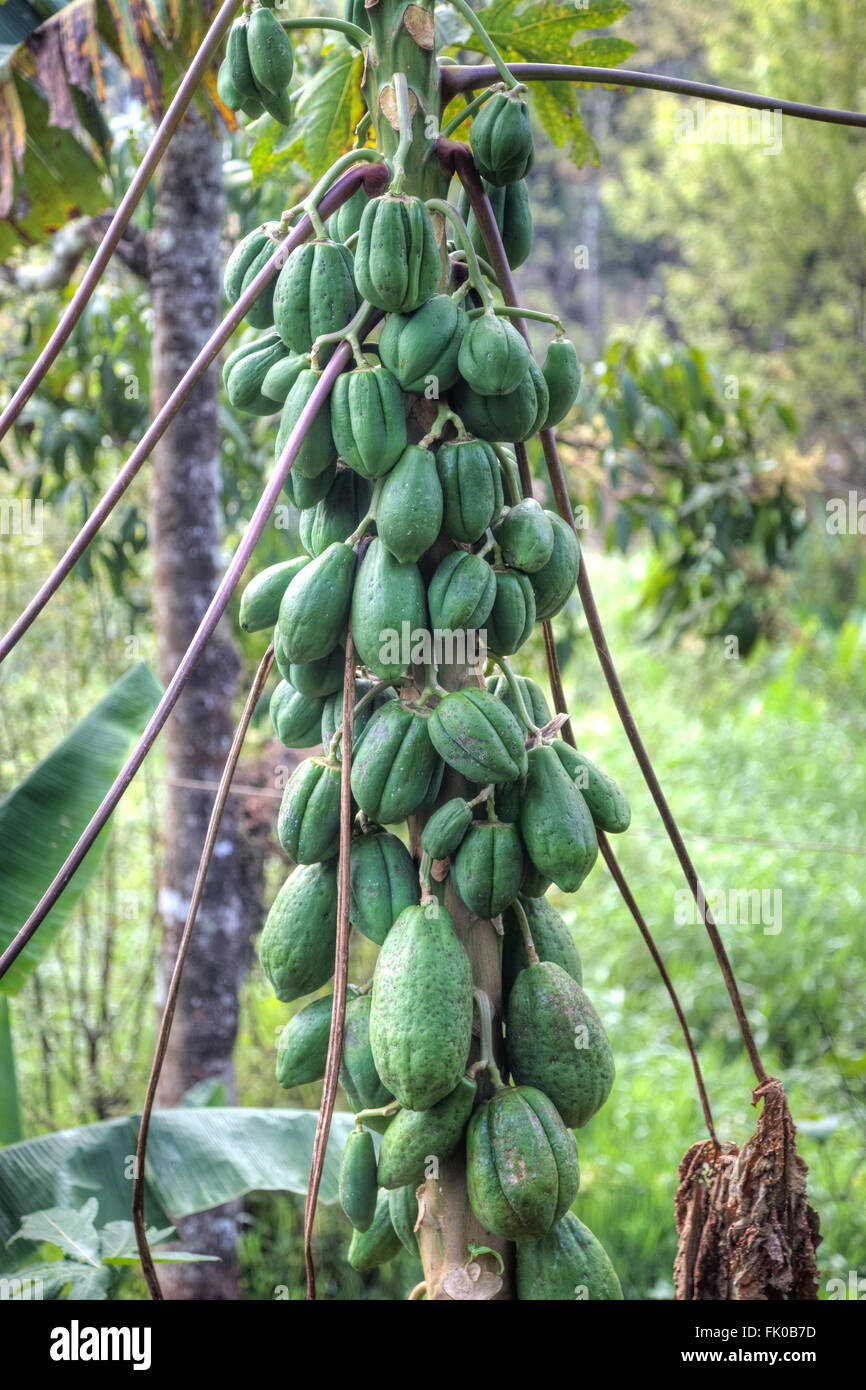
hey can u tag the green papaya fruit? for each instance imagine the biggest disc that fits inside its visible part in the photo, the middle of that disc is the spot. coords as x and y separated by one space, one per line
608 807
332 715
260 314
299 938
500 419
317 452
281 377
512 617
409 509
319 679
270 52
243 377
278 106
471 487
535 884
562 372
308 492
554 584
525 536
534 698
461 593
478 736
368 420
488 867
501 139
358 1189
238 61
522 1167
421 348
550 936
296 719
346 221
376 1246
389 604
356 13
556 1042
358 1075
506 800
315 607
384 882
397 260
446 828
240 260
302 1047
567 1264
309 822
315 294
226 89
555 823
260 601
338 514
494 357
421 1015
416 1137
394 764
403 1208
513 213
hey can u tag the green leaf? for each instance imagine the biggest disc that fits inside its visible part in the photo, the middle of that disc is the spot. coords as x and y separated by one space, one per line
118 1246
327 112
71 1231
556 108
10 1110
544 32
197 1159
42 818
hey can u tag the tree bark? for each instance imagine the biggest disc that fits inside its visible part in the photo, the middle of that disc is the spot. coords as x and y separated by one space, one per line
186 529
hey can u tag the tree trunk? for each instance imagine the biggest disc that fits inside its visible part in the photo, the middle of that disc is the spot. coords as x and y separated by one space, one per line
185 519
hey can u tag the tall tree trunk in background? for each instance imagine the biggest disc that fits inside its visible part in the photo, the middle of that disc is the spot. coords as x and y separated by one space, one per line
185 515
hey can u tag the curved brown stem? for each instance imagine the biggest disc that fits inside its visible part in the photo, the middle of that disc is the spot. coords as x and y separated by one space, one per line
341 972
167 1019
468 77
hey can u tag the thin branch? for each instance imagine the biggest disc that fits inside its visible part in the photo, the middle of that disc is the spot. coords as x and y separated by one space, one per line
192 655
341 970
167 1019
373 177
468 77
143 175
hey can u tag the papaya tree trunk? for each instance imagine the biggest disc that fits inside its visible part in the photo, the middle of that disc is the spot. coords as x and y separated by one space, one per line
185 520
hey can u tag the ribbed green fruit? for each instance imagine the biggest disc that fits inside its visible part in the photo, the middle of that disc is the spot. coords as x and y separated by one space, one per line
297 944
319 679
421 1016
421 348
567 1265
397 260
245 371
556 1042
315 607
395 766
513 214
550 936
494 357
309 822
534 698
608 807
535 884
315 294
409 509
446 828
260 314
302 1047
554 584
525 536
502 419
355 11
403 1207
238 61
368 420
562 372
316 453
521 1164
332 714
479 737
270 52
461 593
261 599
338 514
358 1075
488 868
308 492
347 219
389 603
384 882
296 719
471 488
358 1188
417 1141
376 1246
512 617
281 377
501 139
555 823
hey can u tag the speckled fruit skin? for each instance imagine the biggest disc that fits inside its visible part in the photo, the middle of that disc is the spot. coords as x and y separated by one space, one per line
379 1244
358 1189
414 1136
608 807
555 822
302 1047
550 936
384 882
566 1265
556 1042
478 736
421 1016
488 867
358 1075
309 822
300 935
395 765
521 1164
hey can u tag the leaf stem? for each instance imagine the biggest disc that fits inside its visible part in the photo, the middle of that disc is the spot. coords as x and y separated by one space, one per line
485 1017
523 922
450 212
486 42
511 311
522 711
468 110
341 26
